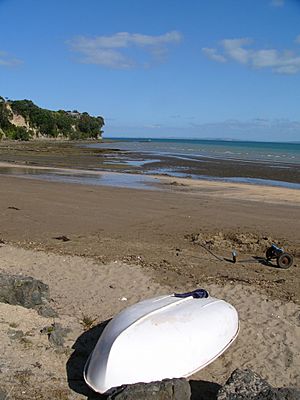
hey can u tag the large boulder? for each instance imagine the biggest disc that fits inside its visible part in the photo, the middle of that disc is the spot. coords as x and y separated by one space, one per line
169 389
247 385
27 292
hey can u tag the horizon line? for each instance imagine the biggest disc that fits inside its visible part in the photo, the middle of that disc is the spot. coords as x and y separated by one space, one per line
197 138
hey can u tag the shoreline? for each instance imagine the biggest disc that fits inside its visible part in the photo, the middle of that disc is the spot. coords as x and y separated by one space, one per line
239 191
77 155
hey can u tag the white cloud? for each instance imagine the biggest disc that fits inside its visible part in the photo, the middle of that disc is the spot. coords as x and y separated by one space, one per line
283 62
7 61
111 51
233 47
264 58
213 55
297 39
277 3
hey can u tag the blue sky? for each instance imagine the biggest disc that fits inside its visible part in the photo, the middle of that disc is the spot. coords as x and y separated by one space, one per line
159 68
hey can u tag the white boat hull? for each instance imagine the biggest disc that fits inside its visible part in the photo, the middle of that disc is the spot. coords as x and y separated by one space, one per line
164 337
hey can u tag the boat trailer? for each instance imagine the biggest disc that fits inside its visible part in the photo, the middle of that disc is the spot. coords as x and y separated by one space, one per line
284 260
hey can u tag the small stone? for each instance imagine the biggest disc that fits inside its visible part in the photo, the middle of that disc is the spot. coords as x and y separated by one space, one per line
3 394
46 311
56 334
15 335
63 238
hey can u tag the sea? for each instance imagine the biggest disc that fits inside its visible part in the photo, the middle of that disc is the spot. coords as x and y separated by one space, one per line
274 153
282 159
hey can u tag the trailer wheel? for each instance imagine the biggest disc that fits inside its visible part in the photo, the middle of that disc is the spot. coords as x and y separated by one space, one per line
285 261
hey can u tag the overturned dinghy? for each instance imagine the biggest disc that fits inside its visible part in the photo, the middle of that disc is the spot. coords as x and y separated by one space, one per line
165 337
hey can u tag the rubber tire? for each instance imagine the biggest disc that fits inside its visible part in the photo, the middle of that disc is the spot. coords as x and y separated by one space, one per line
285 261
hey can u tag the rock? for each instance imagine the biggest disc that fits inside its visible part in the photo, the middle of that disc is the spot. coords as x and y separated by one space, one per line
244 385
63 238
27 292
15 335
56 334
46 311
288 394
247 385
169 389
3 394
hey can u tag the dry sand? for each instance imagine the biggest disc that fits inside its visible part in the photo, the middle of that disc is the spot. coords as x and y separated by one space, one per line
269 339
126 245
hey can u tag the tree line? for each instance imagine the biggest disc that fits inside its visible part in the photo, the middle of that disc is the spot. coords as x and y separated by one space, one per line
42 122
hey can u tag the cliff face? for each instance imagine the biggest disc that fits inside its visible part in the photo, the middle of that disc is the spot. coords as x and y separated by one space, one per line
17 119
23 120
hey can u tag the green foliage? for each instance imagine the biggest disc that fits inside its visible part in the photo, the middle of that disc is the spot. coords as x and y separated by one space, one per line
88 322
18 133
72 125
5 115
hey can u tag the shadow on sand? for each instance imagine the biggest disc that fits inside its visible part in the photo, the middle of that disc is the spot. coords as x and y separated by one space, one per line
264 261
84 345
204 390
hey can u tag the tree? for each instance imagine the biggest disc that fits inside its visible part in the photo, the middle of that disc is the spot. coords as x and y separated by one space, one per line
49 123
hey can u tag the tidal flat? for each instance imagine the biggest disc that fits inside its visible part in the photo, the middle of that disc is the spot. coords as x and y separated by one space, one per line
112 156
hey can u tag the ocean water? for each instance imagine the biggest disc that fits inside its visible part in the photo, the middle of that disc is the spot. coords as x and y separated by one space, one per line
263 152
276 164
134 181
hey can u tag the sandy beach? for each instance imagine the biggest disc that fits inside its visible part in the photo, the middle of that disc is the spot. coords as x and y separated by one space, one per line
125 245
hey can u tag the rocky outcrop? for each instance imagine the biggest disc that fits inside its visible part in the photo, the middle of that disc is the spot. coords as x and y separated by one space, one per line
242 385
169 389
247 385
27 292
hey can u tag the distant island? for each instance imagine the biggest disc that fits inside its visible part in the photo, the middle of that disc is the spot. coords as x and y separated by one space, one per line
23 120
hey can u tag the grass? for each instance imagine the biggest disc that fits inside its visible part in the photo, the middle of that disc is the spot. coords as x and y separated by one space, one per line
88 322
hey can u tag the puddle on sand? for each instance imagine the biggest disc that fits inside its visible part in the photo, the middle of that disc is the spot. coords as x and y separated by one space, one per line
134 181
127 179
130 163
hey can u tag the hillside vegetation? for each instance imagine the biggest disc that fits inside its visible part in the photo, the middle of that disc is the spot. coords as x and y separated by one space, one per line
23 120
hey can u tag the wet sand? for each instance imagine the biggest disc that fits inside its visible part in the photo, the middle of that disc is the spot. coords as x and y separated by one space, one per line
77 155
155 228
